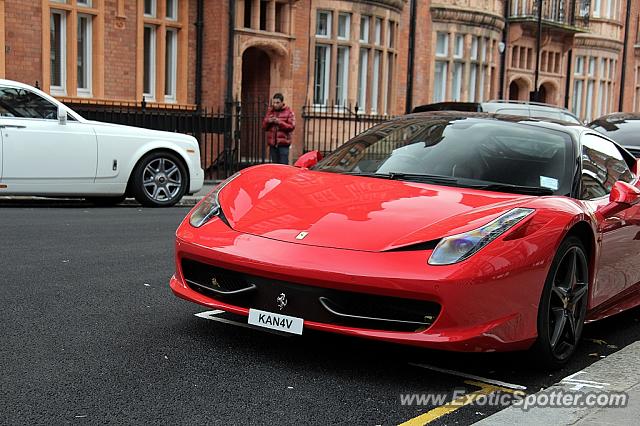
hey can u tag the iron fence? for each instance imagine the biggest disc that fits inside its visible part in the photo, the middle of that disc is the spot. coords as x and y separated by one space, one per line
232 138
325 128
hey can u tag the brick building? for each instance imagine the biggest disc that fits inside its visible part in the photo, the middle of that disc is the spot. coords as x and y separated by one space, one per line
383 55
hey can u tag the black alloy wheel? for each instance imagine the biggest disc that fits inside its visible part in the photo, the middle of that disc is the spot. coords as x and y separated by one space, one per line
563 305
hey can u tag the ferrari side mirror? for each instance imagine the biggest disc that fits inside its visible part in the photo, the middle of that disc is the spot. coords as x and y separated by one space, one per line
309 159
624 193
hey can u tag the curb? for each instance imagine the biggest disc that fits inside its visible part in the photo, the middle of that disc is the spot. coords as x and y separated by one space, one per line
21 201
618 372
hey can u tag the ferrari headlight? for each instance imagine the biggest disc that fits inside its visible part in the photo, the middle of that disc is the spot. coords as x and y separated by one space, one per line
456 248
209 207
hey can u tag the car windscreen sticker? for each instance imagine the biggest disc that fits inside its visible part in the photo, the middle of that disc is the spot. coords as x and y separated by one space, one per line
549 182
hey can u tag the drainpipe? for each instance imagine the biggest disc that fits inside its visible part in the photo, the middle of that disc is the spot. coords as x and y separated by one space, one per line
567 87
410 66
536 91
230 45
624 56
503 57
199 40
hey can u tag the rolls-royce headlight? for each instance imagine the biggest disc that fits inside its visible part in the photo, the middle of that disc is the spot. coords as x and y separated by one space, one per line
210 206
456 248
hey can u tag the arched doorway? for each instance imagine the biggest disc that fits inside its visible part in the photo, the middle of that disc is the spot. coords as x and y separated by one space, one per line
519 90
547 93
514 94
256 82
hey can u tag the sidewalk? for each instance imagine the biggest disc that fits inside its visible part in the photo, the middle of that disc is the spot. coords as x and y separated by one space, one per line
186 201
619 372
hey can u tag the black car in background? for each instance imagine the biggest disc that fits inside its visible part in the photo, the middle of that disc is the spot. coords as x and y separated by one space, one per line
522 108
622 127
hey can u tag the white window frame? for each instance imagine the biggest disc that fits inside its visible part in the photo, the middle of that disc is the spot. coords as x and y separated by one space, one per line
342 76
174 10
325 79
456 83
364 28
458 46
362 79
62 89
347 26
151 96
375 81
377 39
442 83
171 83
154 7
328 14
88 36
597 7
84 3
439 53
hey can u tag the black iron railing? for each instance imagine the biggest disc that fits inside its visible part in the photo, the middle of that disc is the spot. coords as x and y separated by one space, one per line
327 127
231 138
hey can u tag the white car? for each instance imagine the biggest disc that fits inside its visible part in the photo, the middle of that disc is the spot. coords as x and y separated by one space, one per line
47 149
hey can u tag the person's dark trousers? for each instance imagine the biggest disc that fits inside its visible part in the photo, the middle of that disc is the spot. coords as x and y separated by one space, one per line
279 154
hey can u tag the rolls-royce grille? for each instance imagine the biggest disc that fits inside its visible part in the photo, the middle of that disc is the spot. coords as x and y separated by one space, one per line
308 302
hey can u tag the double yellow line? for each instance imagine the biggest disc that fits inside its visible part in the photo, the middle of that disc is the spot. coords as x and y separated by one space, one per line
443 410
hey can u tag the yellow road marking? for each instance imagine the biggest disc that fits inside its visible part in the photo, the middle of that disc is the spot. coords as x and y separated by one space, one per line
443 410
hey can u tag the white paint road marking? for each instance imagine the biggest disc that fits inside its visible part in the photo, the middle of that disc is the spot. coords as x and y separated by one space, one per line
470 376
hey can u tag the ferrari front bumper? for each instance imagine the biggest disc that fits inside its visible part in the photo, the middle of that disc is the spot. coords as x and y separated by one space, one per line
486 303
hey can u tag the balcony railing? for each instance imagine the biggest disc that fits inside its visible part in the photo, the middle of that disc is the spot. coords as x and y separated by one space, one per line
572 15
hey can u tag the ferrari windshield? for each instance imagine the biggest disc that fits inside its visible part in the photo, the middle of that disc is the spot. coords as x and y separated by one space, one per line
473 152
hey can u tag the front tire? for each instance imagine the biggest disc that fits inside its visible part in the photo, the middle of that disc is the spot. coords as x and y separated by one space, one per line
563 305
159 180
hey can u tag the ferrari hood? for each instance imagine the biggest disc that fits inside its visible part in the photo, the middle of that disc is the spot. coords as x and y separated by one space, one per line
353 212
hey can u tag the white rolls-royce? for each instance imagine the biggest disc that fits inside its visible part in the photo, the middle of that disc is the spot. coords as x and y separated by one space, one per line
47 149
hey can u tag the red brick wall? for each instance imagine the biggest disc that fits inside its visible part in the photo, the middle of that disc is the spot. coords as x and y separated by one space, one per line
216 30
422 54
300 68
632 54
23 35
120 51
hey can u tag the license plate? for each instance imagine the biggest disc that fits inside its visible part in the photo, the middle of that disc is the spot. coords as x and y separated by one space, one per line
274 321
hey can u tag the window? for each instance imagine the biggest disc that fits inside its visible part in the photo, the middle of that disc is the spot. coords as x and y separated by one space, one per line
85 3
597 6
342 76
378 32
442 44
321 86
58 56
440 81
171 65
172 9
362 79
323 24
149 62
150 8
391 34
578 85
364 29
375 82
161 78
344 26
22 103
459 47
602 166
84 55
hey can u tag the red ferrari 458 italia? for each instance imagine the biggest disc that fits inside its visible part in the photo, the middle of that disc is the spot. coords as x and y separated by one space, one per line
455 231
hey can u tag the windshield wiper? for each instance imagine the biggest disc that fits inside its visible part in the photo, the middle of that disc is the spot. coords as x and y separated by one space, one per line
421 177
518 189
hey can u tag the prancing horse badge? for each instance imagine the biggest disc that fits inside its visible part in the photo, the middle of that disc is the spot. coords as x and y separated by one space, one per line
302 235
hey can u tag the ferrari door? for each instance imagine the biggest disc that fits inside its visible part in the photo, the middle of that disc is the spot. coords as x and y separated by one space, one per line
619 232
39 152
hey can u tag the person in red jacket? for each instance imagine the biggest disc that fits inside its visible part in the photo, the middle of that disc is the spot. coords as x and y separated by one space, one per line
279 123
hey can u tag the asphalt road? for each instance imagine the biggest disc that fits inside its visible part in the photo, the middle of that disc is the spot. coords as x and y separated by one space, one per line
91 333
